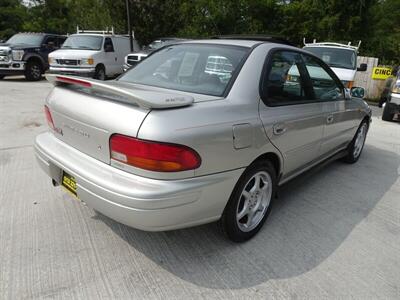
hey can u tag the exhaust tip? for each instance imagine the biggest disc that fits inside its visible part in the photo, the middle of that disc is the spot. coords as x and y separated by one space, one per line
55 183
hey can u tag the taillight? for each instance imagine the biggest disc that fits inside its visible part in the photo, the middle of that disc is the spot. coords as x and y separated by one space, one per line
153 156
48 117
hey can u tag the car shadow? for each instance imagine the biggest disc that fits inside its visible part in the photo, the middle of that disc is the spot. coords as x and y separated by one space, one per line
312 217
19 79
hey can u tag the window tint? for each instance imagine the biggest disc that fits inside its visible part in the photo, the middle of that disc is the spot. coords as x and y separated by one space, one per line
203 69
108 42
284 81
324 85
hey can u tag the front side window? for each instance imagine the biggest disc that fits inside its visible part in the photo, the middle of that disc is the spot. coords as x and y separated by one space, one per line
202 69
86 42
284 82
325 87
108 45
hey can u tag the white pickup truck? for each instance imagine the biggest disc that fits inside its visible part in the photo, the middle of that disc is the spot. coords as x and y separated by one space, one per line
342 58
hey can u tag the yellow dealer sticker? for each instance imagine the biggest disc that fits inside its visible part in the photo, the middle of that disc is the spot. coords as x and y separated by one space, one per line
382 73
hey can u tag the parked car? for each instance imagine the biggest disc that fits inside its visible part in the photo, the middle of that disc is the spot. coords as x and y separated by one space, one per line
392 106
96 54
133 59
161 150
26 54
342 58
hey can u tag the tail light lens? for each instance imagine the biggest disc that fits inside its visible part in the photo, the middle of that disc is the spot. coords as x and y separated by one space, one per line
48 117
153 156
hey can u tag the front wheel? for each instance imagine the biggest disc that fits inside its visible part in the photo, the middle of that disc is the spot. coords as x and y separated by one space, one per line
100 73
250 202
357 144
33 71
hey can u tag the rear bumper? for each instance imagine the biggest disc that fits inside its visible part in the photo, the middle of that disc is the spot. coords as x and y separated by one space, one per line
85 72
143 203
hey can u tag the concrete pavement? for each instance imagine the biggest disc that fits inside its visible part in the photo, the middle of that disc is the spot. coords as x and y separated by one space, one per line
334 232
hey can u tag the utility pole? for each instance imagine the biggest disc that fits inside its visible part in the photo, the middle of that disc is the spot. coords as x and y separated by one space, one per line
128 21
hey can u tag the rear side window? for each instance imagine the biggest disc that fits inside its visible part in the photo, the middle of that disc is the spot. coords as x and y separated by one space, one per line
284 81
325 87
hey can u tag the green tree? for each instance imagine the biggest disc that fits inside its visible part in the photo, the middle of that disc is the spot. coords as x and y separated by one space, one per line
12 17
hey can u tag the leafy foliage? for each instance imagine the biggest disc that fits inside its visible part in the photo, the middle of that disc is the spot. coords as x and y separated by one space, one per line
375 22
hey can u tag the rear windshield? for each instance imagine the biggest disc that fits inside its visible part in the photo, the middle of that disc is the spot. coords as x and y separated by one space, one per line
201 69
335 57
86 42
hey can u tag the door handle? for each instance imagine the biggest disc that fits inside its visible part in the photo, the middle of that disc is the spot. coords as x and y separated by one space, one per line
279 129
329 119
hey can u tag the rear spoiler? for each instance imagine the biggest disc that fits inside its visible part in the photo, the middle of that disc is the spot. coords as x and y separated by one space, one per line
143 98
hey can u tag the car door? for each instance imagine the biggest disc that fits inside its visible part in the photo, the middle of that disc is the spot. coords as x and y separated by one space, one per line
292 119
110 57
341 118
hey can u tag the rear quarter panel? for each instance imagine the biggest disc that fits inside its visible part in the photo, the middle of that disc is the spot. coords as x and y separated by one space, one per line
207 126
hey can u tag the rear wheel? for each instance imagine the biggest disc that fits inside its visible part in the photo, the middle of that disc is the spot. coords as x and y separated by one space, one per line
357 144
250 202
100 73
33 70
387 114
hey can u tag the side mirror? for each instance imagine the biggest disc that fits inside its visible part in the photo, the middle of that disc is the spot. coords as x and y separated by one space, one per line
108 48
357 92
362 68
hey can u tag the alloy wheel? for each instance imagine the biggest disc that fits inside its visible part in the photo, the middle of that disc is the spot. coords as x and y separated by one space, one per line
254 201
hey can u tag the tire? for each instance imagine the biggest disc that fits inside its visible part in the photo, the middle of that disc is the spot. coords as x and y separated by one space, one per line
246 200
387 114
100 73
33 70
1 77
357 144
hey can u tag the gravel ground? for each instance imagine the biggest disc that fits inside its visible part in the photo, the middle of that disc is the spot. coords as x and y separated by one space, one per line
335 232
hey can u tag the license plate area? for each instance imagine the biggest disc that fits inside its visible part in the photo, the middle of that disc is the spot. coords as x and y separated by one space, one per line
69 183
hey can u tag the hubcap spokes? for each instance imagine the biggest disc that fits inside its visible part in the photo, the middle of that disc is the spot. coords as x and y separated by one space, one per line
254 201
35 71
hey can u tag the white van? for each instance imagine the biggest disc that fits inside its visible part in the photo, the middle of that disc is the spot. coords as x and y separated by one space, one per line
96 54
342 58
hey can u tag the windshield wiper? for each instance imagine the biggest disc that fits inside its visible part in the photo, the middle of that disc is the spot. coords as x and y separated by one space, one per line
85 47
339 66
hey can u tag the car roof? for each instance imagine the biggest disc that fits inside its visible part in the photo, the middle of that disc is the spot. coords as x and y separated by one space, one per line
240 42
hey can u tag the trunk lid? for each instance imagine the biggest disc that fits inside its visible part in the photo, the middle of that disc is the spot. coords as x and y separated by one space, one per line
86 122
87 112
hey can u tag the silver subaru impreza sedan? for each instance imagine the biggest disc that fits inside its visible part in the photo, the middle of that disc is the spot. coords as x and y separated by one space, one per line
200 131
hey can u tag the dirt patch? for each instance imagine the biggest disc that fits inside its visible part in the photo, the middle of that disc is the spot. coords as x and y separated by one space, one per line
31 124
